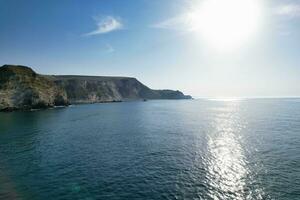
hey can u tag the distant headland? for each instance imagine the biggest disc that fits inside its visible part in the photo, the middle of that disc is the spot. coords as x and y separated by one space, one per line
21 88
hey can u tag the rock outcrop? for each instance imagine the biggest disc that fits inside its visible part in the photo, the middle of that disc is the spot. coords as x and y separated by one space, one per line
22 88
93 89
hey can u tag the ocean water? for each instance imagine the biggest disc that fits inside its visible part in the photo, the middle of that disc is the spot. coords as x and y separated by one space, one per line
184 149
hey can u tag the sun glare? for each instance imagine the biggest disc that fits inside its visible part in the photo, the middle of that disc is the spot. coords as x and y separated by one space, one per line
228 24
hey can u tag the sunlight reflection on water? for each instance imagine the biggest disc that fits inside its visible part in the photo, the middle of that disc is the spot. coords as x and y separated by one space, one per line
227 165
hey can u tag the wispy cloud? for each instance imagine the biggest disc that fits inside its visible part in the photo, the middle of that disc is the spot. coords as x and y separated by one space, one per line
288 10
105 25
179 23
171 23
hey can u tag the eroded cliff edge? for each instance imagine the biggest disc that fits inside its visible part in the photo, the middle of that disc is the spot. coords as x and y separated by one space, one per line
23 88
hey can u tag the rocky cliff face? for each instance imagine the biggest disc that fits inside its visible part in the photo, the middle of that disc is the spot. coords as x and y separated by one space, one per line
22 88
87 89
82 89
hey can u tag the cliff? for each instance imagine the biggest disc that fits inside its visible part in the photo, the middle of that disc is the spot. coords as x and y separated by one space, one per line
22 88
87 89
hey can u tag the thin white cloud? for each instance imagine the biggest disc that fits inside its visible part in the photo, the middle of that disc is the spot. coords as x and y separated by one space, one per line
105 25
176 23
288 10
172 23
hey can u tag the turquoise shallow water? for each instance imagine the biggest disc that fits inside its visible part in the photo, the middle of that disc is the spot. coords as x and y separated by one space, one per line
197 149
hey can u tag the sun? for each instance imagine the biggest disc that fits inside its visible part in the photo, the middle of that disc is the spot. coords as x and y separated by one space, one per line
225 24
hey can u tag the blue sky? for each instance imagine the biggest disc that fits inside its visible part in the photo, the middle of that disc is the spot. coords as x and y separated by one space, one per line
148 39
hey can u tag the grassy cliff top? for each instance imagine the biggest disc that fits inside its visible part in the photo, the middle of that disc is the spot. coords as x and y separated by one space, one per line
24 70
16 70
88 78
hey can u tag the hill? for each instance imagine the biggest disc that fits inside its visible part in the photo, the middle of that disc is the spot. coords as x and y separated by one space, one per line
23 88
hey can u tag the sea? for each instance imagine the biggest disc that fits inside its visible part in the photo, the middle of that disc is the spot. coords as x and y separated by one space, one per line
157 149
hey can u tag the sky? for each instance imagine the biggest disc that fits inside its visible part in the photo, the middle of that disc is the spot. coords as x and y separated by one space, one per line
205 48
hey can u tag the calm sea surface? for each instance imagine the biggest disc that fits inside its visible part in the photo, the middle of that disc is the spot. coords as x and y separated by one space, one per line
189 149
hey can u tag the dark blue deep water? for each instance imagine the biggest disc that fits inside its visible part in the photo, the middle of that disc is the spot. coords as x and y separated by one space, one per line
189 149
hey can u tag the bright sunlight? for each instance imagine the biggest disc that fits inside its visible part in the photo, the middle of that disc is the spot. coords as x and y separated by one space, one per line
226 25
